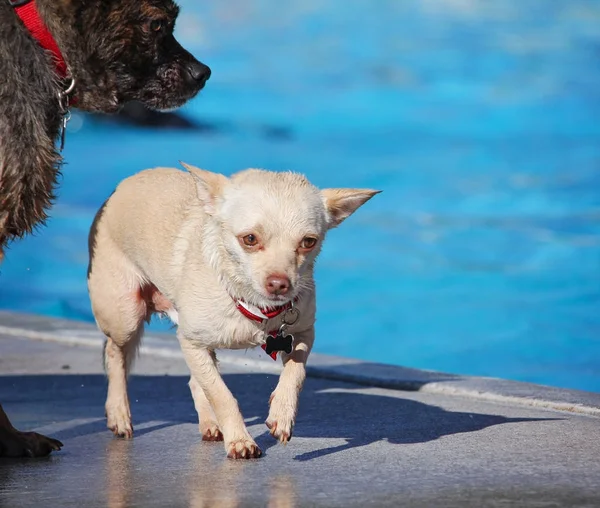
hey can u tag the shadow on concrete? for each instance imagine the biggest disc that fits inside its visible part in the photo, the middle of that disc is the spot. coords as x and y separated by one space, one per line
328 409
382 375
364 419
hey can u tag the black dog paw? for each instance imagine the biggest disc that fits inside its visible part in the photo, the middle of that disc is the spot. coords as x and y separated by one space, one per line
26 444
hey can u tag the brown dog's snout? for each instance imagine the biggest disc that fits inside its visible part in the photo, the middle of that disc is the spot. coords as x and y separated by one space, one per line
197 73
277 284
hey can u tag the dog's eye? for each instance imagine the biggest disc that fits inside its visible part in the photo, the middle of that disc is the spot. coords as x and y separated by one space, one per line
250 240
156 25
308 242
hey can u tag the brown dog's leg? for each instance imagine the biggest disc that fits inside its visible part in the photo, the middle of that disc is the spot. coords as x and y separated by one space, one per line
209 428
284 399
118 358
23 444
238 443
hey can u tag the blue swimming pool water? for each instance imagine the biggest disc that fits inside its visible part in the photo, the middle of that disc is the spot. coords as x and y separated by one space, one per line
478 119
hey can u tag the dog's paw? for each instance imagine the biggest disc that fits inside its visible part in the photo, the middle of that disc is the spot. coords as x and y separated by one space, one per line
119 423
244 448
124 430
210 432
26 444
281 419
280 431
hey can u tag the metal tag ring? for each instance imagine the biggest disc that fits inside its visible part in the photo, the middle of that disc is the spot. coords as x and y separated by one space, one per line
71 87
291 316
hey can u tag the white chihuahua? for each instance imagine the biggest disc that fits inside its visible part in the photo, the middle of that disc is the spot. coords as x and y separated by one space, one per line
230 261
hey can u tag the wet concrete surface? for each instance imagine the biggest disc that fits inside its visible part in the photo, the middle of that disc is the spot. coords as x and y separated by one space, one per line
352 446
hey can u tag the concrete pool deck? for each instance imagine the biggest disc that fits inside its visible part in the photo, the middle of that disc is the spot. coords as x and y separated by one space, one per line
366 434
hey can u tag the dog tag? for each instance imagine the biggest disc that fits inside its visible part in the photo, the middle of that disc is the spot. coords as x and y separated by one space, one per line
63 129
280 342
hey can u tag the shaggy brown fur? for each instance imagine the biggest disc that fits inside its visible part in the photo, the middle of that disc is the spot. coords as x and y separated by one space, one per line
116 50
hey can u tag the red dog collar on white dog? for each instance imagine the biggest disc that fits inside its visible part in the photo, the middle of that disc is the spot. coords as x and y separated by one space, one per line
263 315
257 314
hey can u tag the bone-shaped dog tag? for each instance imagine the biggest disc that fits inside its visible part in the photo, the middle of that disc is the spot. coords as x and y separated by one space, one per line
280 342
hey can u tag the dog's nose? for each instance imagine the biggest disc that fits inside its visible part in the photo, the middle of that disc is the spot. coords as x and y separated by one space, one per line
278 284
198 72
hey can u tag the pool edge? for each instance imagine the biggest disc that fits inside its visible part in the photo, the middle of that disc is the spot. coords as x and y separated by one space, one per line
36 327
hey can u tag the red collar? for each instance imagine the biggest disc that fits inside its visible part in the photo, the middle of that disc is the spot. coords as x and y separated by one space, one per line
257 314
27 11
262 316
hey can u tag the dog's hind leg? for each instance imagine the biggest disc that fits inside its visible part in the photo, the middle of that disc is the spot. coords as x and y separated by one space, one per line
120 308
209 428
118 358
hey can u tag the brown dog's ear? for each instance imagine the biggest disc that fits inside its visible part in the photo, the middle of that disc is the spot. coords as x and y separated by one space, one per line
209 185
341 203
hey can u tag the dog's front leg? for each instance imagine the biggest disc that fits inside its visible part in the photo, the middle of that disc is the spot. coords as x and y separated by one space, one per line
23 444
284 399
202 365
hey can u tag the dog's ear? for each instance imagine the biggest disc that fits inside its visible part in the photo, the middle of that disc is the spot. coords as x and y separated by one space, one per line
208 185
341 203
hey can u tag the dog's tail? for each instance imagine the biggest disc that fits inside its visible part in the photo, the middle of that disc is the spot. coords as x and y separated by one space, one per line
92 236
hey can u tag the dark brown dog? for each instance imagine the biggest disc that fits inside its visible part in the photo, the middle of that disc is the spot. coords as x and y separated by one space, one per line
95 55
